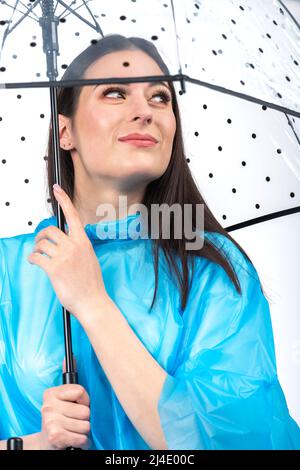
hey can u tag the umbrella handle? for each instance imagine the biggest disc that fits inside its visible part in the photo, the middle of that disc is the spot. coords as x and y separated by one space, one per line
14 443
71 378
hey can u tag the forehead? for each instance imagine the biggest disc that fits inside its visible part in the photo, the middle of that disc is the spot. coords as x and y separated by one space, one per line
127 63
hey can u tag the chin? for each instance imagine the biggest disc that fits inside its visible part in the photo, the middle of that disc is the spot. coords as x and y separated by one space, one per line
139 176
144 167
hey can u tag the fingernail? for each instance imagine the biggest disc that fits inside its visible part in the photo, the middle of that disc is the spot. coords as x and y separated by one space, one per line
57 188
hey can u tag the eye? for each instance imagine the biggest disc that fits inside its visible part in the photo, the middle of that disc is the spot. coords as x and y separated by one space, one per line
162 93
114 90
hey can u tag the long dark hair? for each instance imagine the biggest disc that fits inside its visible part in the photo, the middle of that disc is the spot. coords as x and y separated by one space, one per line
175 186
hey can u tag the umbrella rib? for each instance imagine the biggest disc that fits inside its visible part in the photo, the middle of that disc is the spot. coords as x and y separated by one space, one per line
96 26
31 10
96 22
293 129
291 15
67 8
16 9
263 218
177 47
8 30
178 77
57 6
243 96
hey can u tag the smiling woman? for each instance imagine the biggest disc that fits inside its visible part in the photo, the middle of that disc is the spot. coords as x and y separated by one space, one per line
103 165
93 119
104 115
174 347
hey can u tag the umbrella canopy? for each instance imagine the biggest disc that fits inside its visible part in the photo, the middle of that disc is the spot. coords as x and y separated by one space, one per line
256 48
236 71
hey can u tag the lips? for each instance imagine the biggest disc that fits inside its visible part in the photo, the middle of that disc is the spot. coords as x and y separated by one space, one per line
139 143
142 137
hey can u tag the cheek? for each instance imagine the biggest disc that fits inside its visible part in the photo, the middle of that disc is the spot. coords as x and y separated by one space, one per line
96 124
95 121
170 129
105 127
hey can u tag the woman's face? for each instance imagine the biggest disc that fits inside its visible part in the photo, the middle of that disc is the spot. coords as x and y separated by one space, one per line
103 116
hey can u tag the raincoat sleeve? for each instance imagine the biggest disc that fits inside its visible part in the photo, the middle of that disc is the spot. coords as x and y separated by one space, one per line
224 392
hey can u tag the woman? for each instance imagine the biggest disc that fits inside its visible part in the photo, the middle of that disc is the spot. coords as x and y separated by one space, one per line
174 348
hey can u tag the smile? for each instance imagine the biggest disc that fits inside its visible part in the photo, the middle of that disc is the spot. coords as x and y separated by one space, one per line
140 142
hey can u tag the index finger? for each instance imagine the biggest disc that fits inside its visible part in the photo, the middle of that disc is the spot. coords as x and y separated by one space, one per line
70 212
73 392
84 399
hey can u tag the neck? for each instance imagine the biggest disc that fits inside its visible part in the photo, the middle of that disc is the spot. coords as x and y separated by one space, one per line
104 203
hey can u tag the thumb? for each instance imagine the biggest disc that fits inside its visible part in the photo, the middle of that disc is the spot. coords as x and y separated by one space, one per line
64 364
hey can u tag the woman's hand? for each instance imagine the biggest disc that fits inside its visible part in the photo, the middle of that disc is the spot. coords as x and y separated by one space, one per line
71 263
65 417
65 423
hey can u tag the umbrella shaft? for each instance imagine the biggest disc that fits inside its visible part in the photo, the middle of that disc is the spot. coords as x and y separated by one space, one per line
49 23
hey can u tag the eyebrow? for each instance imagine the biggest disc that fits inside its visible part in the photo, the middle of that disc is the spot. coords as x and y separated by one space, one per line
150 84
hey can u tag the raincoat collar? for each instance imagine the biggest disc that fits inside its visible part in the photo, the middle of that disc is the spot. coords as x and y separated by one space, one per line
119 229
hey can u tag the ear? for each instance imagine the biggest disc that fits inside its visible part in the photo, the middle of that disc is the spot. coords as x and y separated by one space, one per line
65 133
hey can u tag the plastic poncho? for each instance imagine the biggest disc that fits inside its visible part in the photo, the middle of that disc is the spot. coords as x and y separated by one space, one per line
222 389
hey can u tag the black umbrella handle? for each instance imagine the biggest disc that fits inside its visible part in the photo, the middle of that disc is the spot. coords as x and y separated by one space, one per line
71 378
14 443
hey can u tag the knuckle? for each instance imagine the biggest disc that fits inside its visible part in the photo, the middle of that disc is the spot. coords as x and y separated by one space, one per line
50 417
38 235
86 413
87 445
66 387
50 231
41 243
49 422
54 436
47 394
82 440
46 408
87 427
79 388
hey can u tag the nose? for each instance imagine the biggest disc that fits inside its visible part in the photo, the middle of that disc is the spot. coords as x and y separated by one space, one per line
141 110
146 118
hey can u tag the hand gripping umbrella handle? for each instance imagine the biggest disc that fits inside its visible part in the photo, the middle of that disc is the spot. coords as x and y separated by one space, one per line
16 443
70 376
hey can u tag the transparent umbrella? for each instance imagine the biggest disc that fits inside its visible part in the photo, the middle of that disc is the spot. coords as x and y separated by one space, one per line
219 50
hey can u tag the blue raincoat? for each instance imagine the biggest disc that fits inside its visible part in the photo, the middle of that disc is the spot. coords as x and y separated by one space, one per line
222 389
